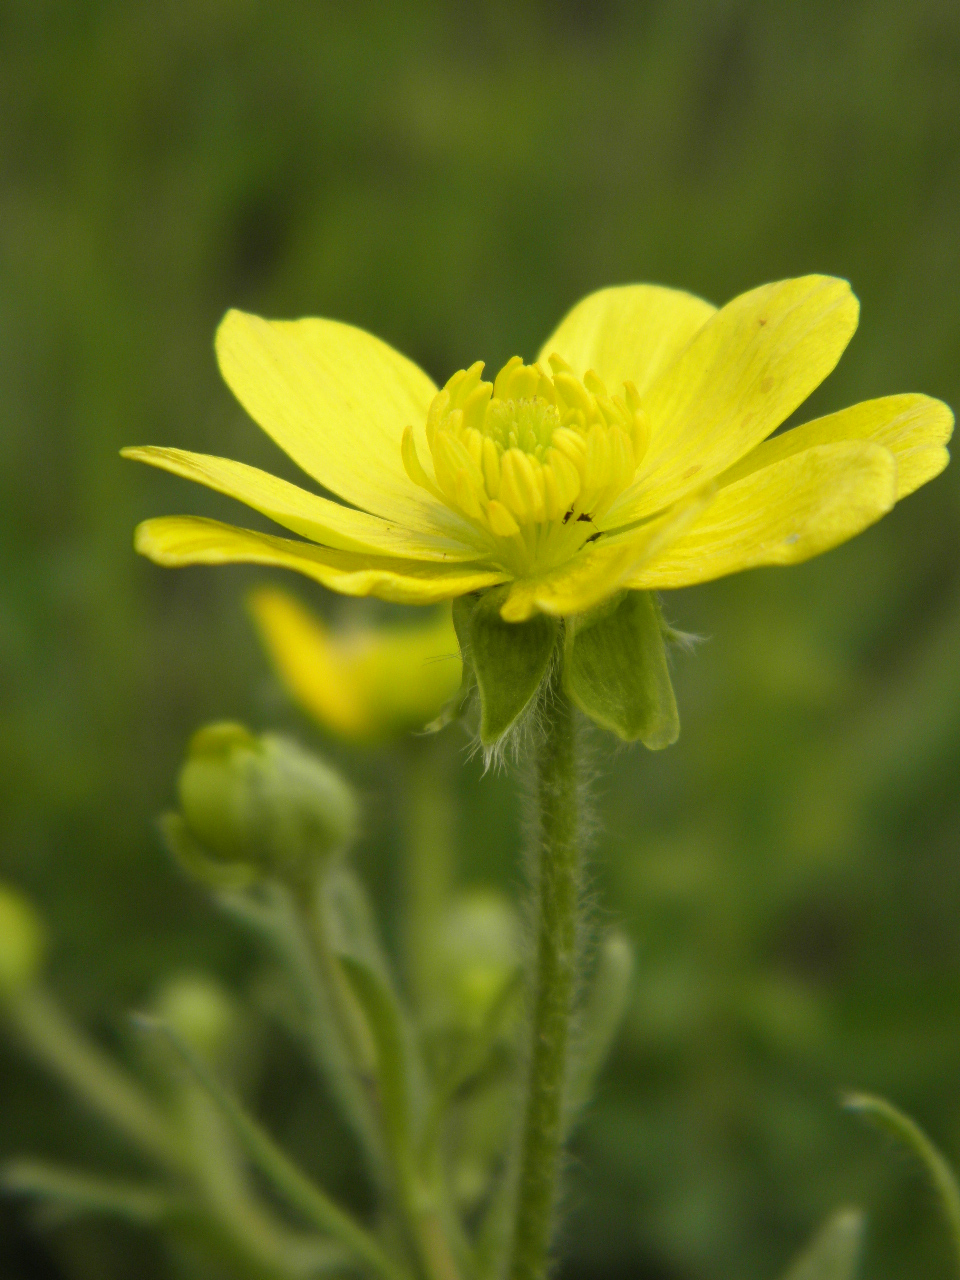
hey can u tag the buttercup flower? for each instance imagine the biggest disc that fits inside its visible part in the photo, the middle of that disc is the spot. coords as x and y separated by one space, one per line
632 455
363 684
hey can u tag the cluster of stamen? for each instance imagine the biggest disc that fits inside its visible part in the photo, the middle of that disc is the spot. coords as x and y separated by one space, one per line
532 458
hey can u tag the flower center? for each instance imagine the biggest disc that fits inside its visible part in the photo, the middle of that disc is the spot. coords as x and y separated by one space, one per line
532 458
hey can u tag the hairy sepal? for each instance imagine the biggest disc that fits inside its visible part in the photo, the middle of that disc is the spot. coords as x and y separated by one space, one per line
615 670
508 660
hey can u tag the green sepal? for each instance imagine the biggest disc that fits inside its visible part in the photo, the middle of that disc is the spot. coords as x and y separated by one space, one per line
615 670
835 1251
192 859
509 659
463 608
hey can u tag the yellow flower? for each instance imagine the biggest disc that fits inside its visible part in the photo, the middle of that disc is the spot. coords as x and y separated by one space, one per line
363 684
634 453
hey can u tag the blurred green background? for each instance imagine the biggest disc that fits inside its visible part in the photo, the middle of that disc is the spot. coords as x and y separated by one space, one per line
453 177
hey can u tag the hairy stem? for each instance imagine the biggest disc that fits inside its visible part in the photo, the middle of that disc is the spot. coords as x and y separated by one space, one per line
556 883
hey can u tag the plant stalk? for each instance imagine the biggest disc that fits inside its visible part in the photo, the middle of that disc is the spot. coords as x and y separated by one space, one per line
557 894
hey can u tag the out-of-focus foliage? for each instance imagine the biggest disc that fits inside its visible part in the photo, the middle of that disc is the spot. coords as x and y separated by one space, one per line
452 177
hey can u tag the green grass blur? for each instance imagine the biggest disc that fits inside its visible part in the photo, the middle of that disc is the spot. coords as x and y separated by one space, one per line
453 177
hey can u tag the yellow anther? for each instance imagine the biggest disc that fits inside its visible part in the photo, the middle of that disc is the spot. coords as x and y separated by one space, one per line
468 498
501 521
573 392
597 473
531 448
503 377
622 463
572 445
490 466
475 406
632 395
412 464
611 411
519 491
463 382
438 407
473 441
523 383
545 388
554 502
566 476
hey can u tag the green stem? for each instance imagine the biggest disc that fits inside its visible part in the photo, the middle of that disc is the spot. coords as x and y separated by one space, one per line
557 887
279 922
427 869
55 1041
279 1170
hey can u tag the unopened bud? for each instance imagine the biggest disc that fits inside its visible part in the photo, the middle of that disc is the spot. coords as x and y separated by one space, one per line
199 1011
22 942
263 801
478 955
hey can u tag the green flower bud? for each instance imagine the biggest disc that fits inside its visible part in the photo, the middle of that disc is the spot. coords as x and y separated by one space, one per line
22 942
200 1012
478 954
263 801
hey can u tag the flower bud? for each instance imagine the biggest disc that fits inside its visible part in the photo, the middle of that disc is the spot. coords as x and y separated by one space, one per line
364 684
263 801
478 953
199 1011
22 942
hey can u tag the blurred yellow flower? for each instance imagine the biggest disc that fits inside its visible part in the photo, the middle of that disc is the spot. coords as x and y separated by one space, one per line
633 454
364 684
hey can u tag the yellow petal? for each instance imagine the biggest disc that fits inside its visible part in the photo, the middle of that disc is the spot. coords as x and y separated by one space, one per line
316 676
362 684
783 514
914 428
741 375
183 540
303 512
630 332
336 399
600 568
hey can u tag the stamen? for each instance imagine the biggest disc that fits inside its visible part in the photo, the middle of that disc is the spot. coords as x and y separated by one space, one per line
533 457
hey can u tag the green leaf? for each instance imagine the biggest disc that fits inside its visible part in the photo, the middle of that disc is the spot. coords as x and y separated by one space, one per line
398 1077
509 659
835 1251
887 1117
615 670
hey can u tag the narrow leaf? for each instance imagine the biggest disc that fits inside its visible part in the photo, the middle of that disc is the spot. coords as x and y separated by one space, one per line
509 660
396 1069
835 1251
67 1194
887 1117
615 670
292 1185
